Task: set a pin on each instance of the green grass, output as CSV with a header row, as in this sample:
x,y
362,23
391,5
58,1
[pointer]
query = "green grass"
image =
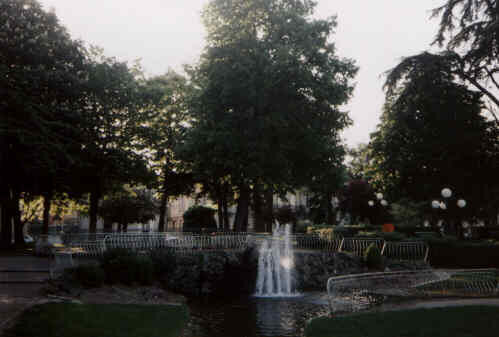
x,y
100,320
468,321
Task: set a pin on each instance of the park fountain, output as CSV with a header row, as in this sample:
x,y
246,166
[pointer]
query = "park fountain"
x,y
276,265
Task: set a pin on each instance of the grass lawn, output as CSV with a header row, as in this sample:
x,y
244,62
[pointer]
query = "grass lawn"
x,y
466,321
100,320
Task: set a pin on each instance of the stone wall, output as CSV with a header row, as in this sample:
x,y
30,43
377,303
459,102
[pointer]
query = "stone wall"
x,y
312,269
230,272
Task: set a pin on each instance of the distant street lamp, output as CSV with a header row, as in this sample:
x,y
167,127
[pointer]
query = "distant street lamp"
x,y
446,194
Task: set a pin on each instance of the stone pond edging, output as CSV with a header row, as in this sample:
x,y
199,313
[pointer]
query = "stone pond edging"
x,y
234,272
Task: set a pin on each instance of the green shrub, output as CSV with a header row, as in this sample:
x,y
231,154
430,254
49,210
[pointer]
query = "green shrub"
x,y
198,217
343,232
448,252
408,213
124,266
164,261
372,257
144,270
302,227
393,236
90,276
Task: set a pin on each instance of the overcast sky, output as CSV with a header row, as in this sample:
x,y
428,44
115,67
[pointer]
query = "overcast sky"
x,y
168,33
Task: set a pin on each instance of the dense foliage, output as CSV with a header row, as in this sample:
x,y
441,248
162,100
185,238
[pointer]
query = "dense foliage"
x,y
270,85
199,217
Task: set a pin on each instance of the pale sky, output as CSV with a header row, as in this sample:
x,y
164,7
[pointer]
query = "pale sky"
x,y
168,33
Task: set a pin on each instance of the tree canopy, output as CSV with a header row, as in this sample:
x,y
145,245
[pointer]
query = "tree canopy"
x,y
432,134
270,86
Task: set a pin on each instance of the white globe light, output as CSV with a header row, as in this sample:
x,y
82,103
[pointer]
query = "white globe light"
x,y
379,196
384,203
461,203
443,206
446,193
435,204
370,203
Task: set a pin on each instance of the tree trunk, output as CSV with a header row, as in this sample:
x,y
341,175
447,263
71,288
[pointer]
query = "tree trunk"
x,y
258,211
269,209
225,210
6,220
163,207
18,225
330,218
108,226
220,212
241,219
94,208
47,201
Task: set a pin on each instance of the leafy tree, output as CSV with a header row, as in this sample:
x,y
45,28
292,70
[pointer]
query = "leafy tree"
x,y
269,90
406,212
323,188
468,31
41,71
354,200
128,206
432,134
112,131
198,217
164,103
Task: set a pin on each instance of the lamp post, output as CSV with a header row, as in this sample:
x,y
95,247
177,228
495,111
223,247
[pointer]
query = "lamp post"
x,y
379,198
442,204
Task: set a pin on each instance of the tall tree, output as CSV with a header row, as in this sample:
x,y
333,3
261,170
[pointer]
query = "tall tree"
x,y
164,103
112,130
41,71
468,31
432,134
270,87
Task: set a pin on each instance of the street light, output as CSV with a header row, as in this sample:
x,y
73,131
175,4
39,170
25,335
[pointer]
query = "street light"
x,y
446,194
435,204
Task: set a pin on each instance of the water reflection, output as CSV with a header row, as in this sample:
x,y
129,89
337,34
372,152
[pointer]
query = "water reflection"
x,y
253,317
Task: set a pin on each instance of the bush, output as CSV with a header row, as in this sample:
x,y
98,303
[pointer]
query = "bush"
x,y
450,253
286,215
408,213
302,226
144,270
164,262
198,217
90,276
392,236
343,232
372,257
124,266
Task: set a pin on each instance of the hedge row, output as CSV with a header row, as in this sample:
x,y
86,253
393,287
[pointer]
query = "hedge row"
x,y
462,255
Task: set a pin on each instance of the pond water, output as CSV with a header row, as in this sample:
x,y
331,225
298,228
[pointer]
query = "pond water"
x,y
253,317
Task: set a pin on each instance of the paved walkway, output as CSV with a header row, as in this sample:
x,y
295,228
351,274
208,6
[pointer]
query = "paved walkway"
x,y
21,283
436,303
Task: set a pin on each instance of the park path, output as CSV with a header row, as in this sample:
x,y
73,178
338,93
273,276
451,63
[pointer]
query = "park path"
x,y
22,278
432,303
